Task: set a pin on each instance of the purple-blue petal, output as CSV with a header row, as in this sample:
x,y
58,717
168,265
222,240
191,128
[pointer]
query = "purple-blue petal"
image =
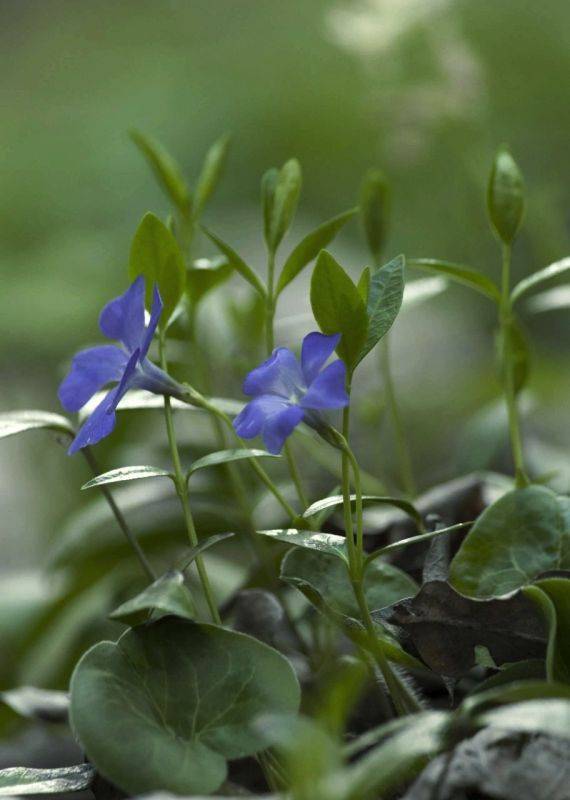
x,y
315,352
127,381
123,318
155,313
250,421
280,374
279,426
90,371
328,390
100,424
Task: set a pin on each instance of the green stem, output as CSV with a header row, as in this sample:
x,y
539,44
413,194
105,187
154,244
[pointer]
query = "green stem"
x,y
270,304
348,526
508,374
402,449
182,492
293,469
121,521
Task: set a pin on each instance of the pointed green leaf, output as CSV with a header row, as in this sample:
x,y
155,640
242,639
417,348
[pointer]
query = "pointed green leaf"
x,y
311,540
13,422
555,270
166,170
552,595
167,594
156,255
193,553
206,274
210,174
505,196
25,780
226,456
420,537
333,501
459,274
339,308
237,262
268,186
375,210
384,301
363,284
284,203
166,706
122,474
309,248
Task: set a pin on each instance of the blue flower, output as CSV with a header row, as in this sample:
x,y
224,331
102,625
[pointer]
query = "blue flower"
x,y
285,392
127,366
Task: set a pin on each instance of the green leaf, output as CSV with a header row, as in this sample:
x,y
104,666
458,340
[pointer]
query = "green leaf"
x,y
328,576
523,534
156,255
505,196
166,170
167,705
459,274
237,263
24,780
226,456
210,174
268,186
363,284
337,500
167,594
421,537
206,274
385,295
551,717
527,285
122,474
141,400
339,308
322,542
514,353
552,595
285,197
205,544
375,210
13,422
419,291
551,300
309,248
47,705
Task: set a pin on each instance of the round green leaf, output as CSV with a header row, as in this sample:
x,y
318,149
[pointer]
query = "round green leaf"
x,y
169,703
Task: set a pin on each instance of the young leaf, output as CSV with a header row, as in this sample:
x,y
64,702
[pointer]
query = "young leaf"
x,y
339,308
156,255
459,274
552,596
555,270
122,474
309,248
206,274
363,284
166,170
237,263
226,456
167,705
337,500
285,197
210,174
167,594
25,780
268,186
505,196
375,210
384,301
13,422
523,534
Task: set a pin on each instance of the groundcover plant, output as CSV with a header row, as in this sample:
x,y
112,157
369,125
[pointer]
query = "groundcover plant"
x,y
421,652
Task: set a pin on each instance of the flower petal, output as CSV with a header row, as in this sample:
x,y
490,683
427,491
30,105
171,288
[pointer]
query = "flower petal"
x,y
123,317
127,381
316,350
250,421
91,370
98,425
328,390
155,312
279,426
280,374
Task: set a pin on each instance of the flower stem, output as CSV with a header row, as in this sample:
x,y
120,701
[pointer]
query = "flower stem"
x,y
182,491
295,475
402,449
121,521
508,372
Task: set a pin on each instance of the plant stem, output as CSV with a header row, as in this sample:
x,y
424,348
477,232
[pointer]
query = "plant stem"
x,y
402,449
293,469
508,373
121,521
182,491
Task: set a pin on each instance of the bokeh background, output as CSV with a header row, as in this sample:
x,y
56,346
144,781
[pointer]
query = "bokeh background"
x,y
425,89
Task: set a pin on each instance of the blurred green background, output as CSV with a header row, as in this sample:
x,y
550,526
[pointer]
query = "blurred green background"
x,y
426,89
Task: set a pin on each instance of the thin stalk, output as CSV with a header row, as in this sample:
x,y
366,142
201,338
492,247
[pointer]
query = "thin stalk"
x,y
121,521
295,475
508,374
348,527
182,492
402,449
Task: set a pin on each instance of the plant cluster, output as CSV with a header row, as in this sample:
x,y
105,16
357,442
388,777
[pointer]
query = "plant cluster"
x,y
340,656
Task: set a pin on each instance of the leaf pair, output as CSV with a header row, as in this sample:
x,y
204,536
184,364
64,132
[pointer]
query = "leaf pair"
x,y
362,314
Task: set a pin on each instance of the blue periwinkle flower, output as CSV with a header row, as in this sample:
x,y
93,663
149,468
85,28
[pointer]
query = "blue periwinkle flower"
x,y
286,392
127,365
